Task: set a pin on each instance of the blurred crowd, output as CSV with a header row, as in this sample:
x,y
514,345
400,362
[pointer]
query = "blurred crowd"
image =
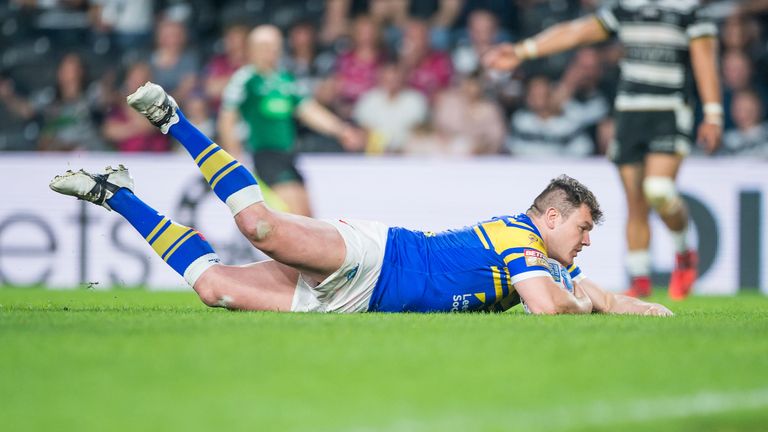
x,y
406,72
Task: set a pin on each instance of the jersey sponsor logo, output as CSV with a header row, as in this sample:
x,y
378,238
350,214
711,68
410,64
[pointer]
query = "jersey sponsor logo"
x,y
535,258
460,302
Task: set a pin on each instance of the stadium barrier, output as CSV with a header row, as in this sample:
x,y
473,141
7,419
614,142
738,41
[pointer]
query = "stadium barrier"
x,y
59,242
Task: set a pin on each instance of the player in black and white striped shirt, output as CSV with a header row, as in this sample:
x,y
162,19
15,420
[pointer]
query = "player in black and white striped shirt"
x,y
667,45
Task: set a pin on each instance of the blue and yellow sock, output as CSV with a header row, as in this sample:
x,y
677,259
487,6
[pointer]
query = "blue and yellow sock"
x,y
183,248
230,180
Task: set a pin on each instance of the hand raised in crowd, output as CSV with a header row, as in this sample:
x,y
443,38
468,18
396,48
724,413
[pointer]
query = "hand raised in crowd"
x,y
709,136
501,57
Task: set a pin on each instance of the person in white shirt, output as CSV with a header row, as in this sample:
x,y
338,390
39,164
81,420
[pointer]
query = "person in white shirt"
x,y
545,128
390,111
750,136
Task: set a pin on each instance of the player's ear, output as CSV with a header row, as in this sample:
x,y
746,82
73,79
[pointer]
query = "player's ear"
x,y
551,216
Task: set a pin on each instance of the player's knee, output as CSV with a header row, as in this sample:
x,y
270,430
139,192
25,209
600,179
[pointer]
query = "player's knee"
x,y
215,297
662,195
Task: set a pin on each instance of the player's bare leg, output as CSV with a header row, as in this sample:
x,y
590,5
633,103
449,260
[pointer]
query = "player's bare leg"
x,y
671,209
262,286
638,230
313,247
662,194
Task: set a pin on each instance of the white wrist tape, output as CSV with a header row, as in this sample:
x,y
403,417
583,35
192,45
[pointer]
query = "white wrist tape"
x,y
713,108
530,49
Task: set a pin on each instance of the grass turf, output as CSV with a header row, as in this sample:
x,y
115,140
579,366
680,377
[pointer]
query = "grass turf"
x,y
89,360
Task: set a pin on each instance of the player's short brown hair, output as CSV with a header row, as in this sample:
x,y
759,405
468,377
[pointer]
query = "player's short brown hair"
x,y
567,194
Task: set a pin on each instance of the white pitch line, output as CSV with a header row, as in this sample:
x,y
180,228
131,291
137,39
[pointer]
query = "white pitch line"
x,y
599,413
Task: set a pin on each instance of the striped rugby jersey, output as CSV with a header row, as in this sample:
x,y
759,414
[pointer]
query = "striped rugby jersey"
x,y
655,72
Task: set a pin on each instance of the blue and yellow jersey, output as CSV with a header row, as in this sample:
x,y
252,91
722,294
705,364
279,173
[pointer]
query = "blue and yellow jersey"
x,y
470,269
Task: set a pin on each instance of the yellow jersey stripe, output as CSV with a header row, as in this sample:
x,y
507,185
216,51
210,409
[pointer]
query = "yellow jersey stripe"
x,y
204,153
169,253
482,237
168,237
221,176
497,282
156,229
511,257
214,163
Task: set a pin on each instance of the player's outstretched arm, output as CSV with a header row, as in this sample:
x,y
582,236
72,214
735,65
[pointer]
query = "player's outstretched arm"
x,y
543,296
558,38
607,302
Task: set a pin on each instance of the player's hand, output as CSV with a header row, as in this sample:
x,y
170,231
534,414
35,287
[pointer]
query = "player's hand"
x,y
352,139
501,57
655,309
709,135
583,297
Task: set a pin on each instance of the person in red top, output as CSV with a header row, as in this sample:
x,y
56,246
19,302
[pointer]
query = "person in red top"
x,y
357,69
428,71
220,68
128,130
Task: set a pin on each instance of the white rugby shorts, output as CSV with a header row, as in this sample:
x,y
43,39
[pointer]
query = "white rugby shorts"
x,y
349,288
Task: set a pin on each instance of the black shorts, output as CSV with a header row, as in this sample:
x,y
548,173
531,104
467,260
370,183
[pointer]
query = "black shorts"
x,y
275,167
641,132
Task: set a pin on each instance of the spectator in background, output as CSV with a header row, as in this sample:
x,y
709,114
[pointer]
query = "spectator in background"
x,y
305,60
198,114
578,92
483,32
737,76
427,70
750,135
543,128
742,33
441,20
64,22
390,16
16,130
390,111
14,103
335,22
467,121
128,22
174,67
126,129
357,68
222,66
69,120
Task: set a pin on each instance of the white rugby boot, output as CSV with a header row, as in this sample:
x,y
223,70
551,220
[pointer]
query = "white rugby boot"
x,y
151,101
95,188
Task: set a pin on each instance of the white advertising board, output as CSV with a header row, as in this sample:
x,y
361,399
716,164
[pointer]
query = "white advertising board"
x,y
49,239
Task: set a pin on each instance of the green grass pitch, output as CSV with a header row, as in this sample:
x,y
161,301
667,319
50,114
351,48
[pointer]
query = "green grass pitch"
x,y
127,360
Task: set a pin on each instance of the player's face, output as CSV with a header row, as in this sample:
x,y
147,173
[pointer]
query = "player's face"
x,y
570,235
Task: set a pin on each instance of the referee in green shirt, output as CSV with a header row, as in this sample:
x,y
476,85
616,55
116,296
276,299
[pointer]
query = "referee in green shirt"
x,y
268,100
